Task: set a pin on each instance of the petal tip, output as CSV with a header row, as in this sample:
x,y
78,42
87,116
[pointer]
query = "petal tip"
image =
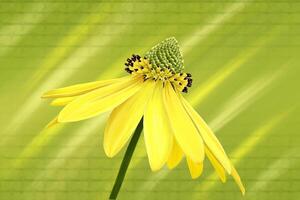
x,y
52,103
52,123
243,190
223,179
44,96
155,168
108,153
48,94
195,176
108,150
171,166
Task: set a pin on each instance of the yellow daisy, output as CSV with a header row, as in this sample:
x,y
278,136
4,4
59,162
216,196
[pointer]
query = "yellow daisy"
x,y
152,93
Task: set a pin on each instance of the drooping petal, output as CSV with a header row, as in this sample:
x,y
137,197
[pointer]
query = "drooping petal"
x,y
217,166
62,101
195,169
124,119
99,100
208,136
183,128
79,89
157,131
237,179
175,155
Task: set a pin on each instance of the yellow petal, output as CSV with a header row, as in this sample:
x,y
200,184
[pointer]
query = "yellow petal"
x,y
217,166
175,155
52,123
237,179
157,131
124,119
196,169
78,89
99,100
183,128
208,136
62,101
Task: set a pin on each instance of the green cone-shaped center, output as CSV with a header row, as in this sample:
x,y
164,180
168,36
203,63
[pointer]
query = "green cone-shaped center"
x,y
166,54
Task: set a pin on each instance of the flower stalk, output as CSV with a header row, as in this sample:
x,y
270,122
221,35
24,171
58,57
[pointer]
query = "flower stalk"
x,y
126,161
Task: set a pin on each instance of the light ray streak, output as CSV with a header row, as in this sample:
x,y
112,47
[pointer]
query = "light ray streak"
x,y
63,72
67,69
220,76
245,147
203,32
275,170
76,35
242,100
80,136
8,39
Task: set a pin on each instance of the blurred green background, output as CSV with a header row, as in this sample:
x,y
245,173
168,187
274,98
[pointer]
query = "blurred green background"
x,y
244,57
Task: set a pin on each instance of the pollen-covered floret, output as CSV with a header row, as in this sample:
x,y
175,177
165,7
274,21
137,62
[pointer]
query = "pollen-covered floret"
x,y
136,65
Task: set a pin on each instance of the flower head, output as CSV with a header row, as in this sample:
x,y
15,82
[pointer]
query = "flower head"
x,y
172,128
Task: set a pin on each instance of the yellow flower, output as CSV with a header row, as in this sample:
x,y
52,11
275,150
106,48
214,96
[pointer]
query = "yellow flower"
x,y
152,91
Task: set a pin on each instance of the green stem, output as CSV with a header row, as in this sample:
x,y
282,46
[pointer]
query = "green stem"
x,y
126,160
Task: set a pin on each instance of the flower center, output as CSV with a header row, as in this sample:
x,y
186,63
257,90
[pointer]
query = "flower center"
x,y
165,54
142,67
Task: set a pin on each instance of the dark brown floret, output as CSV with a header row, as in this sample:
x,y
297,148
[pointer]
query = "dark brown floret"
x,y
133,58
130,62
190,81
185,90
128,70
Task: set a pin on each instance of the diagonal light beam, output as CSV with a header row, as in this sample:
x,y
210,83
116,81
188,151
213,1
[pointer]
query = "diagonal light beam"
x,y
64,71
203,32
242,100
8,37
245,147
275,170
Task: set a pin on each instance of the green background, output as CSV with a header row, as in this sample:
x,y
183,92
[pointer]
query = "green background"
x,y
244,58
